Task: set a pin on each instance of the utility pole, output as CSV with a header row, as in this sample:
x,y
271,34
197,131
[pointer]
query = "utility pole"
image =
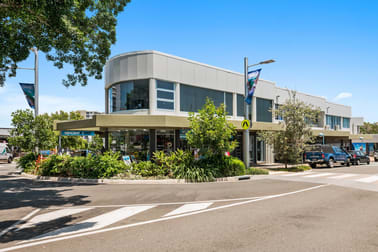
x,y
36,88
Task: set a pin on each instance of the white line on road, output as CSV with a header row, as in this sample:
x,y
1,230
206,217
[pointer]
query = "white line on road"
x,y
52,216
18,222
156,220
96,222
370,179
344,176
296,174
189,208
318,175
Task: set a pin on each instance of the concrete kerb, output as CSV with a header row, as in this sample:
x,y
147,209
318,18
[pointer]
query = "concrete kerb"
x,y
124,181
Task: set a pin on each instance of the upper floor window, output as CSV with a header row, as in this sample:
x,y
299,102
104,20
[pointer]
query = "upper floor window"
x,y
240,105
130,95
263,110
277,116
333,122
346,123
192,98
165,94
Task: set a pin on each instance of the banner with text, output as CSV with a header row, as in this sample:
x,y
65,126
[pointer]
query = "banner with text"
x,y
253,78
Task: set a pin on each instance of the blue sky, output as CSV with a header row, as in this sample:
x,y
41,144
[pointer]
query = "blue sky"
x,y
324,48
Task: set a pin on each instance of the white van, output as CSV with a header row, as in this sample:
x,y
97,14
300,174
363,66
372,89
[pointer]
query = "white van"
x,y
5,153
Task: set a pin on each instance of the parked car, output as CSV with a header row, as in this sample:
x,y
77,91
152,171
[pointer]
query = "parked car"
x,y
358,157
5,153
326,154
376,156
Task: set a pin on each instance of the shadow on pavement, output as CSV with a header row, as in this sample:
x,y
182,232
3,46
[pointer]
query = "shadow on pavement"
x,y
64,224
16,193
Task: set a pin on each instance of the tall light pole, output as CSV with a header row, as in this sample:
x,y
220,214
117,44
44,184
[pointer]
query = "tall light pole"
x,y
246,157
36,88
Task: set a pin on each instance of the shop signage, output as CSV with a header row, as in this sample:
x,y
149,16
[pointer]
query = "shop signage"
x,y
77,133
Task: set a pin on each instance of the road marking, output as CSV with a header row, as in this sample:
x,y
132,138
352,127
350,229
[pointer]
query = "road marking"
x,y
52,216
344,176
276,172
370,179
18,222
318,175
189,208
166,203
296,174
35,243
97,222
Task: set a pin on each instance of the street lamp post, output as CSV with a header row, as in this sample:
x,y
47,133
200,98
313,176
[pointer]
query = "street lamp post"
x,y
246,157
36,87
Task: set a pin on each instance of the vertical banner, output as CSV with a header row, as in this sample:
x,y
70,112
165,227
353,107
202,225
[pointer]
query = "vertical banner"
x,y
28,90
253,78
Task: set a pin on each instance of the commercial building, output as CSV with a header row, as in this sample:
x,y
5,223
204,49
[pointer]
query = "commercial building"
x,y
4,134
88,114
148,95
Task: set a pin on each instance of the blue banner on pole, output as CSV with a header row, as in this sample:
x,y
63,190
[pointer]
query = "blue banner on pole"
x,y
253,78
28,89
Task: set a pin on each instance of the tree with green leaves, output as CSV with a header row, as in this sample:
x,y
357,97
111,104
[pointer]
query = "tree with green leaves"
x,y
79,33
210,131
289,144
369,128
70,142
29,132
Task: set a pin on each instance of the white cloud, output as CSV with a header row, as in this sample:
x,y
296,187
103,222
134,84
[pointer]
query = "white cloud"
x,y
342,95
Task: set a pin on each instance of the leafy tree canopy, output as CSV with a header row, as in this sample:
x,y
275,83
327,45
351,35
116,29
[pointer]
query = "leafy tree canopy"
x,y
290,143
78,33
369,128
210,131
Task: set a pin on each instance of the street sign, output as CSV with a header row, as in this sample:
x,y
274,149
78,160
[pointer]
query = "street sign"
x,y
77,133
245,124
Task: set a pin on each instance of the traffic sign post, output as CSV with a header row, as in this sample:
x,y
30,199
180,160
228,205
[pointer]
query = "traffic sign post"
x,y
245,124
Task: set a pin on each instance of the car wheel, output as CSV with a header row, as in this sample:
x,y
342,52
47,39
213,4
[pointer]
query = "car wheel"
x,y
358,162
9,160
331,163
348,162
313,165
368,162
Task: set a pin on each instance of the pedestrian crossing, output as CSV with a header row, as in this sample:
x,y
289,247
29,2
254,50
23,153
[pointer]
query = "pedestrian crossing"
x,y
37,226
352,177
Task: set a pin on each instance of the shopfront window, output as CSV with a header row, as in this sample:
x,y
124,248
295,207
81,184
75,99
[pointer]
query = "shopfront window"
x,y
165,140
129,95
134,143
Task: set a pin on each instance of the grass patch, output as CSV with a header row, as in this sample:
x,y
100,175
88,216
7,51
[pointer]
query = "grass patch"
x,y
256,171
299,168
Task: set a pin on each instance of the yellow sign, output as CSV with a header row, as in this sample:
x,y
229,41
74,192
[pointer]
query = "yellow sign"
x,y
245,124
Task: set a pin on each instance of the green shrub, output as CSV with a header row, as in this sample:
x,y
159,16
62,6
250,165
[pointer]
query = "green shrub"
x,y
147,169
103,166
193,173
299,168
233,167
27,162
109,165
256,171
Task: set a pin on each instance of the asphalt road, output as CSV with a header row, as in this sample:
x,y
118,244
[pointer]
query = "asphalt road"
x,y
269,213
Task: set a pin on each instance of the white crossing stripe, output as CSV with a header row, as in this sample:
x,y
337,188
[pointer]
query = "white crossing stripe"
x,y
98,221
296,174
370,179
52,216
348,175
189,208
276,172
319,175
